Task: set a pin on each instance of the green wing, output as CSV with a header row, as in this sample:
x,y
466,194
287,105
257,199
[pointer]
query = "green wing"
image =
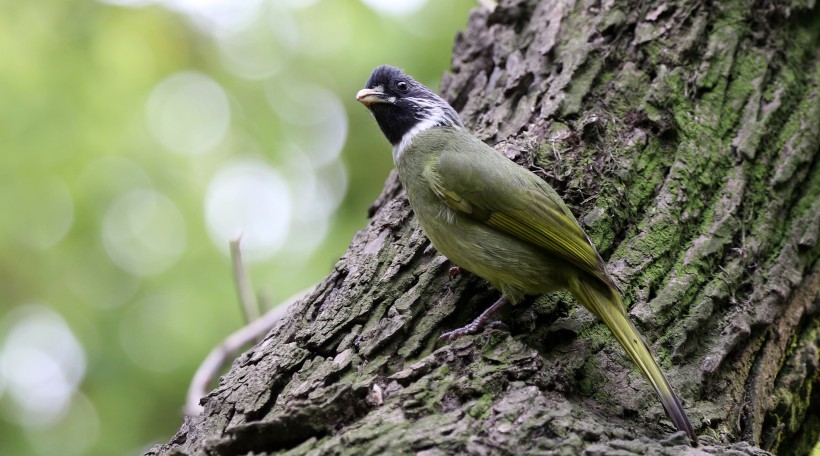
x,y
480,183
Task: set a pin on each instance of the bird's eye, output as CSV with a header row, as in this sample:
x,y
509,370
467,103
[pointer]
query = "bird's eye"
x,y
403,86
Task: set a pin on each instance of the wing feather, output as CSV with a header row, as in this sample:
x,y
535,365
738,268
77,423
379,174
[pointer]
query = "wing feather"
x,y
494,190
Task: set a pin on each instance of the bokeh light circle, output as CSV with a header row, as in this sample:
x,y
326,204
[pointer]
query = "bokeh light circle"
x,y
249,199
144,232
316,118
41,364
263,50
395,7
188,113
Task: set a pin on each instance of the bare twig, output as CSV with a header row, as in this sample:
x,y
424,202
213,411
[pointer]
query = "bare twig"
x,y
247,297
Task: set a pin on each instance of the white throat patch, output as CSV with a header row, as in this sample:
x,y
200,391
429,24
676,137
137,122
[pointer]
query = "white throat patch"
x,y
426,124
436,116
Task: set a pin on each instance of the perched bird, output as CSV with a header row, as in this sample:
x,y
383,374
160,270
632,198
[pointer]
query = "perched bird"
x,y
497,219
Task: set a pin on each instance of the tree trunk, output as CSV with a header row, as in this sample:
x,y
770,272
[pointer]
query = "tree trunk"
x,y
685,137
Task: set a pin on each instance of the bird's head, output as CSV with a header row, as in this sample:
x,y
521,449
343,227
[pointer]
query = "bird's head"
x,y
403,107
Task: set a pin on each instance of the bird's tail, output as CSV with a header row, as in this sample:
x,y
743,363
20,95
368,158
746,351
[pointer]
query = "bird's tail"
x,y
606,304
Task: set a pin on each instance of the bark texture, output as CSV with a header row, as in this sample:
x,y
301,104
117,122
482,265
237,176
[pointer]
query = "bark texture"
x,y
685,137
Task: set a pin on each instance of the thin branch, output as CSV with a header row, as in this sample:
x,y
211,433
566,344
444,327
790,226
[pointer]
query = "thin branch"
x,y
244,289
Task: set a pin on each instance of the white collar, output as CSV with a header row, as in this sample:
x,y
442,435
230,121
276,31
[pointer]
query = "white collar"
x,y
408,137
437,115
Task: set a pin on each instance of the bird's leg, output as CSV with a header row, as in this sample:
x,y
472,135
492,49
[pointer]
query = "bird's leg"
x,y
478,324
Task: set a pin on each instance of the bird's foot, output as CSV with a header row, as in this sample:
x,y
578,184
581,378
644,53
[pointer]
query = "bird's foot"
x,y
473,328
479,324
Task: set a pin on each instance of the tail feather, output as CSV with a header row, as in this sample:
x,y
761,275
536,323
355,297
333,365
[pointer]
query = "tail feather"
x,y
609,308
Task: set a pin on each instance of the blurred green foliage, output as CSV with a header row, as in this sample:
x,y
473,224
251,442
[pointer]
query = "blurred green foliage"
x,y
112,287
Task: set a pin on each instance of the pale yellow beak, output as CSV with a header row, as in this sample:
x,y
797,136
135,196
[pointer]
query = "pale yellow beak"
x,y
369,97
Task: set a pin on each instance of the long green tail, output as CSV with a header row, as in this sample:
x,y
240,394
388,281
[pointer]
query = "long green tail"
x,y
609,308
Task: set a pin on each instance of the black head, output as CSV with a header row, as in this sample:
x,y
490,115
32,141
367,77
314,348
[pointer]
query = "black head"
x,y
402,106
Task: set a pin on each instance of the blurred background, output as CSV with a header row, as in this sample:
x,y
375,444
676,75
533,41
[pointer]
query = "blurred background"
x,y
138,137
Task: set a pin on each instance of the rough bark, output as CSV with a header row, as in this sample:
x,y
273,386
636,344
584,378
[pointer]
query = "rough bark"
x,y
685,136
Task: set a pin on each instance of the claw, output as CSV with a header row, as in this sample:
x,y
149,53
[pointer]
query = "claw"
x,y
479,324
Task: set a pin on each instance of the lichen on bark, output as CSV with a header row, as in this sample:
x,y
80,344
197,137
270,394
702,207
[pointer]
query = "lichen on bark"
x,y
685,137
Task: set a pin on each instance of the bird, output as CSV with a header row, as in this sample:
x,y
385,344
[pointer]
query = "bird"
x,y
498,220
